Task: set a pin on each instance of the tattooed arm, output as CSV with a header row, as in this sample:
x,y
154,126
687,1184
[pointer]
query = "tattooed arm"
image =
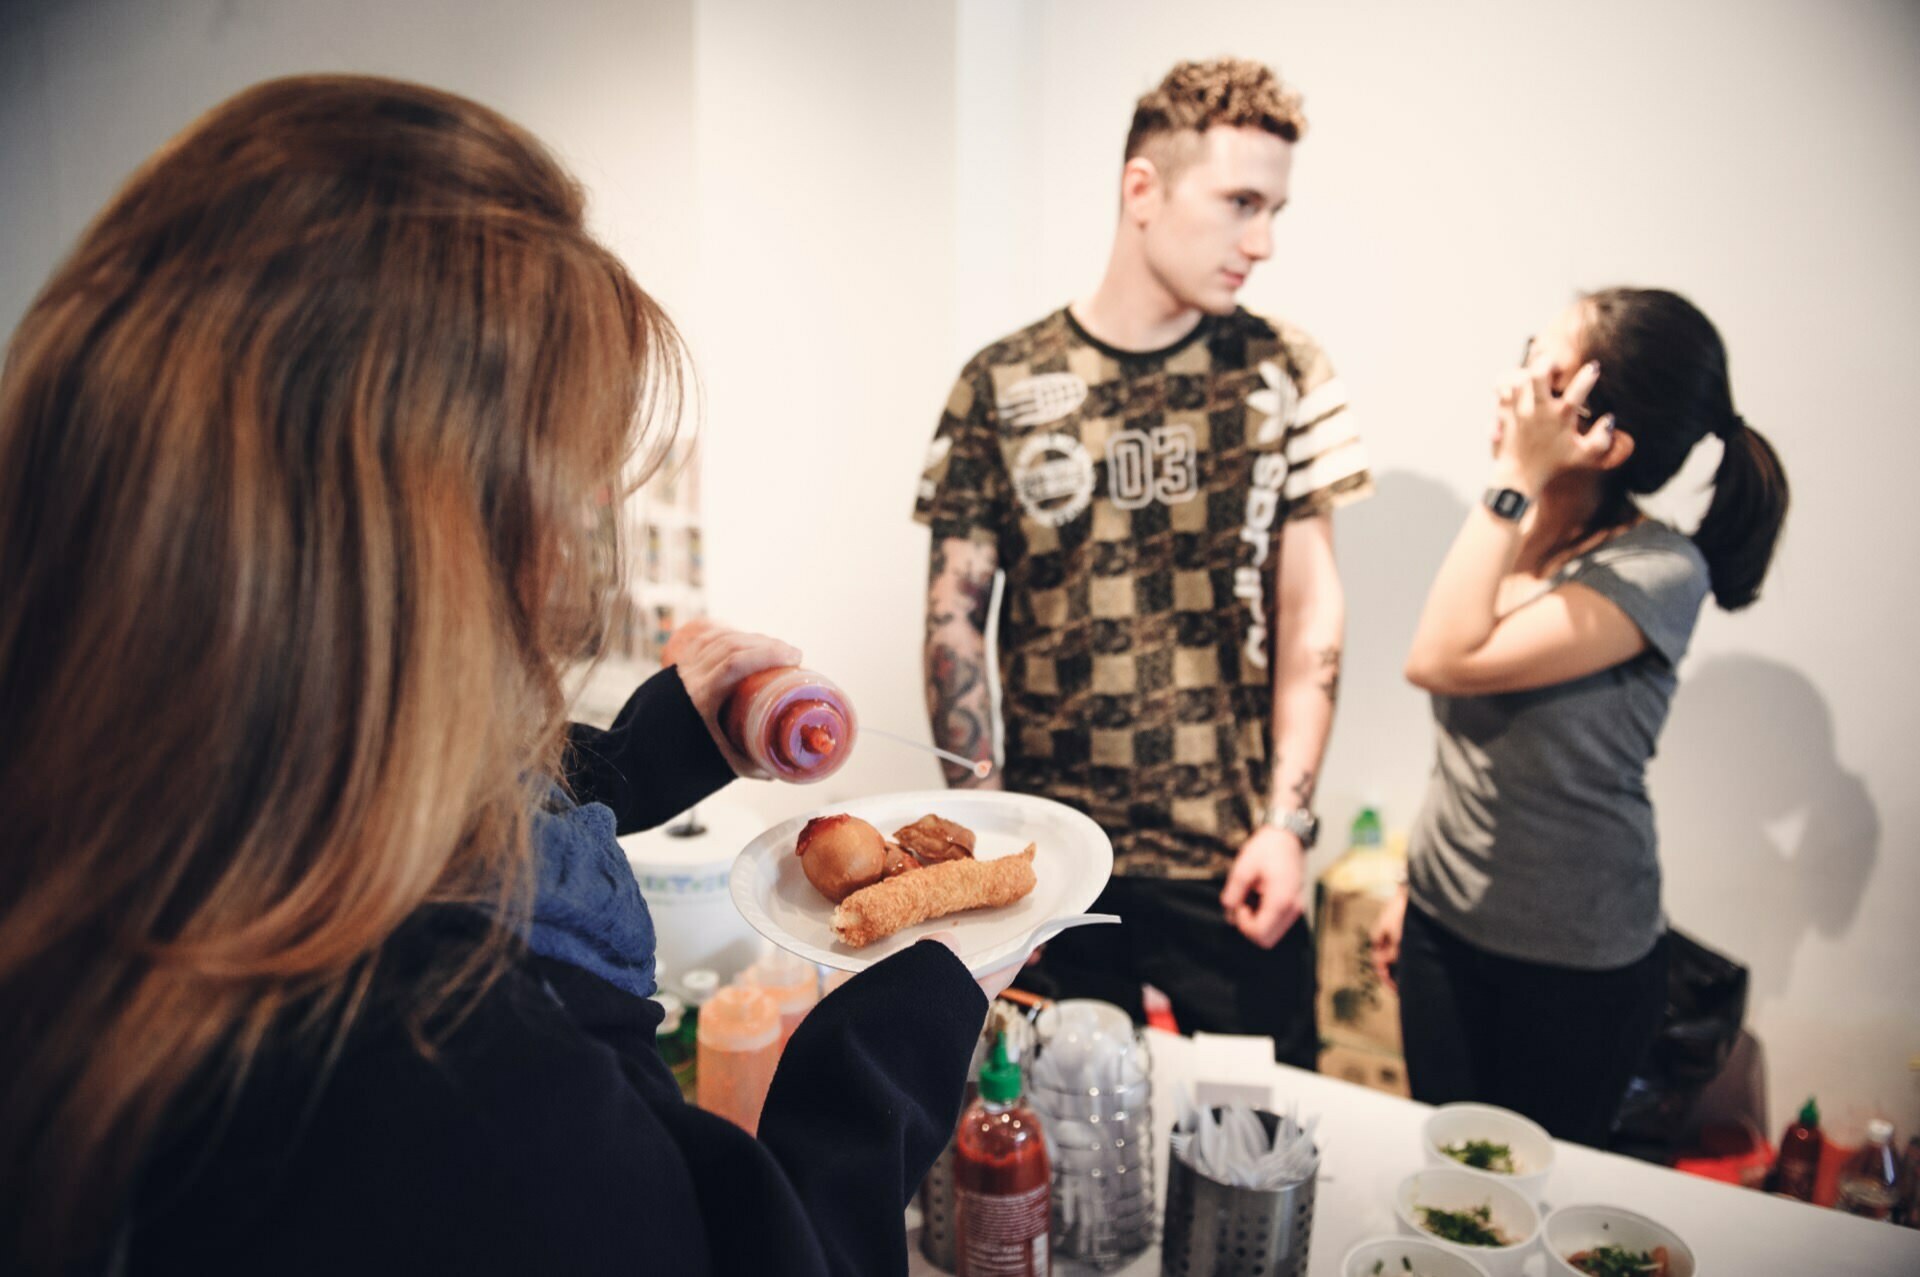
x,y
1263,892
1311,630
959,585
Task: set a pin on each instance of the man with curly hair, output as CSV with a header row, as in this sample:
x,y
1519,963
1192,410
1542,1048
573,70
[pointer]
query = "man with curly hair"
x,y
1154,469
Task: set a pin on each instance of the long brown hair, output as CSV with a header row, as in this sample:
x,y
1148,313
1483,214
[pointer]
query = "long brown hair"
x,y
1666,384
299,455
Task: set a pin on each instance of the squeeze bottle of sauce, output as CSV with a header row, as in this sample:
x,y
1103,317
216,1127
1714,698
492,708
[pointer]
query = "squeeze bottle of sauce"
x,y
792,982
697,988
739,1045
794,724
1002,1180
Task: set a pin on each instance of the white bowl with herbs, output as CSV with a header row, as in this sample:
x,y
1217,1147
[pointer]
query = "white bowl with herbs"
x,y
1406,1257
1470,1213
1607,1241
1490,1141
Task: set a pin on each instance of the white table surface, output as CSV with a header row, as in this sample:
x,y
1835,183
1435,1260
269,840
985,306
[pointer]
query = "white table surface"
x,y
1370,1141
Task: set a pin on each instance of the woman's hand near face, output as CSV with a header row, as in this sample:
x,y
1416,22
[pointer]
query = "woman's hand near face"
x,y
1538,435
712,660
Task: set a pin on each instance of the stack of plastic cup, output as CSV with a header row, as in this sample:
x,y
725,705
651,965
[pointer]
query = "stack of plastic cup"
x,y
739,1045
1090,1082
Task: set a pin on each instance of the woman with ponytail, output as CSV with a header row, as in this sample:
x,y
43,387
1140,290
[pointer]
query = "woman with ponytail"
x,y
1527,944
301,452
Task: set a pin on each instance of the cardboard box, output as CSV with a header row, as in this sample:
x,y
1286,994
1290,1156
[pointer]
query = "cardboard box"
x,y
1374,1069
1356,1008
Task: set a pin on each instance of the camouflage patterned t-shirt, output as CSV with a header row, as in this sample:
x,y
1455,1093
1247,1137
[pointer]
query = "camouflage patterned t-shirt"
x,y
1135,501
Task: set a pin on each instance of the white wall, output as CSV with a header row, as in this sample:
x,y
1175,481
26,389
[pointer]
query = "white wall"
x,y
826,224
842,200
88,88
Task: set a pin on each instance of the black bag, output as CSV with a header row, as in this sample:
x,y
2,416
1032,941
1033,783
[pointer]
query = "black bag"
x,y
1706,1004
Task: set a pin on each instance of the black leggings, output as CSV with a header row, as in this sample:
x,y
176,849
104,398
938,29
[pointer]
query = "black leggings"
x,y
1558,1044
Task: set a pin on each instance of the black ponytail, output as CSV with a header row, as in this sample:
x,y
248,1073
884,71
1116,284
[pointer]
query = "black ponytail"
x,y
1742,524
1663,377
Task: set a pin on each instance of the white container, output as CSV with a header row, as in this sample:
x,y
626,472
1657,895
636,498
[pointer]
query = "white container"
x,y
1461,1189
1429,1259
1532,1147
684,882
1572,1229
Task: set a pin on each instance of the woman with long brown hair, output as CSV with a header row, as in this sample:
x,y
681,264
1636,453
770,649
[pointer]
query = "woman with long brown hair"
x,y
299,452
1530,963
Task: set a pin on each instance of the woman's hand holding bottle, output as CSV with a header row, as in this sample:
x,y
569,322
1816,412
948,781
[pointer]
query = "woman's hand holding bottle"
x,y
713,660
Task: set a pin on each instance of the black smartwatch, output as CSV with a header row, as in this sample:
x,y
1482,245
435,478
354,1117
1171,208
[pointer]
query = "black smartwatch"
x,y
1506,503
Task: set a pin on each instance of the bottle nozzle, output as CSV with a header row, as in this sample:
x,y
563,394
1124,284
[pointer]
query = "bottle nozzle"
x,y
999,1076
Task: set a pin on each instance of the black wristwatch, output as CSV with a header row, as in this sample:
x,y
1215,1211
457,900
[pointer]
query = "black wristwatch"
x,y
1299,822
1506,503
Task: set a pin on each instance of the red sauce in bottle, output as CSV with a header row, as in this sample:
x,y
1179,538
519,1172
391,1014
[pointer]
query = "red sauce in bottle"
x,y
1798,1165
794,724
1002,1180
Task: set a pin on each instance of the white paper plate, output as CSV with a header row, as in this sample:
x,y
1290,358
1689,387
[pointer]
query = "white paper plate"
x,y
1072,860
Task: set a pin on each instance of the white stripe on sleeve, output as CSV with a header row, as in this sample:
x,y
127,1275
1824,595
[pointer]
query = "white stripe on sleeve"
x,y
1329,468
1328,397
1329,433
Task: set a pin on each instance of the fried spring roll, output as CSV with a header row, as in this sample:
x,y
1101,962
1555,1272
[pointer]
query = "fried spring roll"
x,y
876,912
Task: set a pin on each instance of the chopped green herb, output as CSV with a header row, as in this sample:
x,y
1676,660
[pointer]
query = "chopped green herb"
x,y
1405,1264
1473,1227
1615,1261
1482,1155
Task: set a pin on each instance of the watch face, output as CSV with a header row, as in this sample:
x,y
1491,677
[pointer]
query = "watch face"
x,y
1506,503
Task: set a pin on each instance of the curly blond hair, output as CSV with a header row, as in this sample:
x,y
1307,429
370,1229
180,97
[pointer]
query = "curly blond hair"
x,y
1196,96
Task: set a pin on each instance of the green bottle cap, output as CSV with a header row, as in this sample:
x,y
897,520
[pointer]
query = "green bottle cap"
x,y
1366,828
1810,1112
999,1076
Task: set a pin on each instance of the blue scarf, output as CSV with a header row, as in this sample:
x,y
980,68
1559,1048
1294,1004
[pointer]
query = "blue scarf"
x,y
588,911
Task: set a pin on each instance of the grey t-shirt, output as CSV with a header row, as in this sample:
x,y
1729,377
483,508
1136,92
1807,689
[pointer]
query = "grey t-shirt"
x,y
1536,840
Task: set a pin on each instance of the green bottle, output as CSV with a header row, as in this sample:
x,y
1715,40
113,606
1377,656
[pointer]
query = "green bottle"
x,y
696,988
670,1039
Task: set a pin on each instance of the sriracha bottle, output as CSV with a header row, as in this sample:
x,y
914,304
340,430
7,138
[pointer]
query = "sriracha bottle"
x,y
1798,1162
1002,1180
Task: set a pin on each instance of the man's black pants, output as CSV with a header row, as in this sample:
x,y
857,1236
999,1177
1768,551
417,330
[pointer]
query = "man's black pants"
x,y
1175,937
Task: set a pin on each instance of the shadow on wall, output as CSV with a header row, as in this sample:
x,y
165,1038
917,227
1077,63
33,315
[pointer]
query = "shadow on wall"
x,y
1763,834
1389,548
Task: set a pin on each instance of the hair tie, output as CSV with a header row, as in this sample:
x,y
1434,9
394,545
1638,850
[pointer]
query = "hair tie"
x,y
1734,424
